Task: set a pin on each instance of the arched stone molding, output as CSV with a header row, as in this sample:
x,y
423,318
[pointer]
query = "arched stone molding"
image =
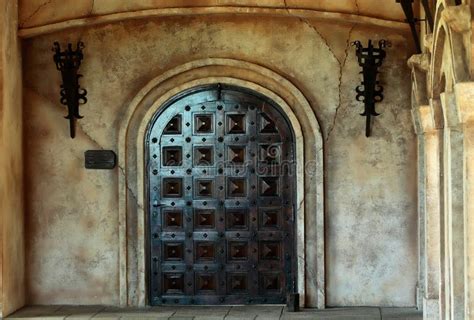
x,y
310,191
178,10
449,54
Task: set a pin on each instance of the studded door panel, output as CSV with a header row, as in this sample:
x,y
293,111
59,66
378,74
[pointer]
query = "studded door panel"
x,y
221,201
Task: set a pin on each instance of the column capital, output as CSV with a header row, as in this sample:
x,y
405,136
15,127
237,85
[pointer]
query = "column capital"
x,y
420,61
464,95
458,18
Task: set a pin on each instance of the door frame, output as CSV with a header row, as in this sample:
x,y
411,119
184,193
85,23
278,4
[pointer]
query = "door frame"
x,y
309,156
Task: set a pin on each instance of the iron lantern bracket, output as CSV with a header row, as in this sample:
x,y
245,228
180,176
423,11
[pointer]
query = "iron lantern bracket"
x,y
370,91
72,95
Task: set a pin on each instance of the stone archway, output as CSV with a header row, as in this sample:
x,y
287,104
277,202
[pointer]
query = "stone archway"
x,y
309,168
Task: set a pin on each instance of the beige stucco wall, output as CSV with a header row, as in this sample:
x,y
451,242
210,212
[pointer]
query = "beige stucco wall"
x,y
12,262
370,195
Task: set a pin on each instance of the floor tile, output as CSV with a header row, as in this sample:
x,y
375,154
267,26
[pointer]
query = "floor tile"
x,y
401,314
37,312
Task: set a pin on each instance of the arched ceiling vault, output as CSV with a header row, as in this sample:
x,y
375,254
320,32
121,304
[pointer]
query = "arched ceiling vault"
x,y
38,17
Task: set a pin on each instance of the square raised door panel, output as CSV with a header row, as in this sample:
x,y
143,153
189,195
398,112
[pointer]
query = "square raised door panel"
x,y
270,282
236,155
203,123
204,156
267,125
269,218
204,219
173,283
237,219
236,187
172,156
205,251
270,250
172,219
269,186
206,283
172,188
173,251
270,153
237,283
237,250
173,126
235,123
204,188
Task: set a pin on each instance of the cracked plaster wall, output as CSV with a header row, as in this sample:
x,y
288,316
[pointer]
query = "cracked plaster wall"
x,y
72,214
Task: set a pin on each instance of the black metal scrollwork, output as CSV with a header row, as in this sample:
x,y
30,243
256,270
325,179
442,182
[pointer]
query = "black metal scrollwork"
x,y
370,91
72,95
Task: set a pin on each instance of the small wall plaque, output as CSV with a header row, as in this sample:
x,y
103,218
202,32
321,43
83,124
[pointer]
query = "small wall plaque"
x,y
100,159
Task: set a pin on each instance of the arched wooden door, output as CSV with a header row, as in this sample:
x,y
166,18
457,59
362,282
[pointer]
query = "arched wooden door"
x,y
221,181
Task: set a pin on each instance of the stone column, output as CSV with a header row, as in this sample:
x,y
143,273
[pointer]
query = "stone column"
x,y
420,288
464,94
453,208
432,133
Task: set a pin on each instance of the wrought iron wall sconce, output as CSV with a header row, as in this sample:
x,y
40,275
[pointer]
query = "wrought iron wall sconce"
x,y
72,95
370,91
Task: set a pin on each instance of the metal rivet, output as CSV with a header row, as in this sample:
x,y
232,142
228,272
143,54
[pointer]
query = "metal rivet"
x,y
187,108
154,140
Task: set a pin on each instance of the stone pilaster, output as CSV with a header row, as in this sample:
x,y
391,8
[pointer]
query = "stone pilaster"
x,y
453,209
464,94
432,134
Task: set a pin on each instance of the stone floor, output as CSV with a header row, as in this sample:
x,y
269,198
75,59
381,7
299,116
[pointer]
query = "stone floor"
x,y
214,313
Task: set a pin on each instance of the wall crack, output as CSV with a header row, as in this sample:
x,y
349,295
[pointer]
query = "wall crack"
x,y
310,25
22,23
346,54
